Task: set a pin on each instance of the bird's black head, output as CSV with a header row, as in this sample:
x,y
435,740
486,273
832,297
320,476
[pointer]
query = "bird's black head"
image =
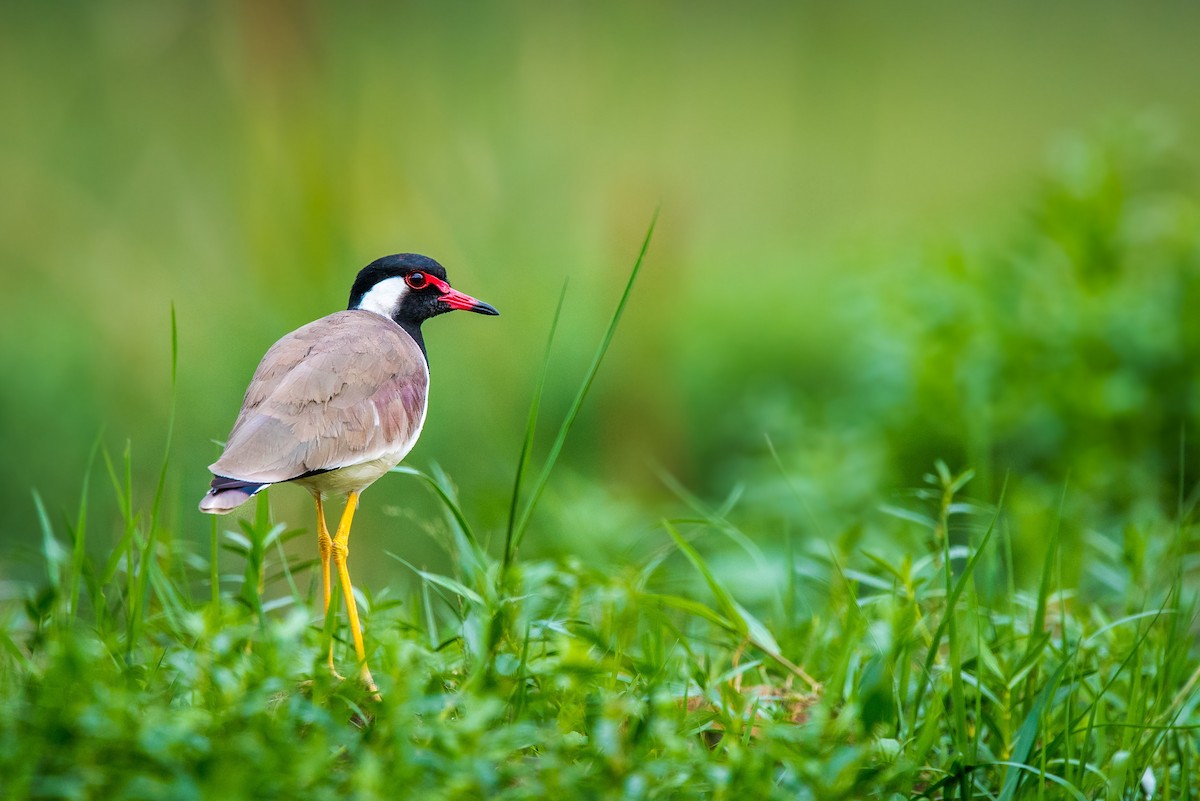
x,y
410,289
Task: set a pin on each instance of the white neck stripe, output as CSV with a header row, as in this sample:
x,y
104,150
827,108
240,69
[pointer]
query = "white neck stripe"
x,y
384,298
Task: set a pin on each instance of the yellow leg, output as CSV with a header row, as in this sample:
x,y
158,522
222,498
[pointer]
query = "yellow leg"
x,y
341,550
325,543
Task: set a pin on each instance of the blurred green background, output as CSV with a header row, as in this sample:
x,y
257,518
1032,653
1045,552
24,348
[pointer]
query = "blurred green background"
x,y
889,234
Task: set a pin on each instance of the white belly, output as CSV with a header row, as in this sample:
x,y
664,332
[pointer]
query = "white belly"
x,y
353,478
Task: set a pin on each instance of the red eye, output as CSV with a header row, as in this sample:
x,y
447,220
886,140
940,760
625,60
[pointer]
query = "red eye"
x,y
417,280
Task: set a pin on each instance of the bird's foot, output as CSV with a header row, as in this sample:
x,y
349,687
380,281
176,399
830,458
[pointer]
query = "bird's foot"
x,y
369,684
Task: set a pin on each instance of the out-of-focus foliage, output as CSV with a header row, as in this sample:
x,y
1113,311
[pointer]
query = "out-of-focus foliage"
x,y
242,161
866,269
563,679
1060,355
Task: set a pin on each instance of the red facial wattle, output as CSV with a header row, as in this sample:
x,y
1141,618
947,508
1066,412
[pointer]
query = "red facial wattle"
x,y
459,300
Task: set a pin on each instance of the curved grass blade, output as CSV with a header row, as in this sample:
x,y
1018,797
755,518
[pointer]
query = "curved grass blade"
x,y
530,428
743,623
569,420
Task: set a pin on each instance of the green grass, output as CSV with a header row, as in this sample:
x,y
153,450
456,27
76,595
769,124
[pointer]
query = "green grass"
x,y
129,680
861,275
806,156
921,661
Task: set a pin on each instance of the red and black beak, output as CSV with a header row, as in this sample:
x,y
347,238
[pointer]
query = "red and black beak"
x,y
458,300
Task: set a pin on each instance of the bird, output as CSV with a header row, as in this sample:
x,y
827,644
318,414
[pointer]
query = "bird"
x,y
337,403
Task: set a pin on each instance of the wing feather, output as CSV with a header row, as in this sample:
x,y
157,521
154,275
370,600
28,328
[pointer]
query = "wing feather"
x,y
345,389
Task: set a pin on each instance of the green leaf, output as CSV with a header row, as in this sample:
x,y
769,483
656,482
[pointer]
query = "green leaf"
x,y
1027,734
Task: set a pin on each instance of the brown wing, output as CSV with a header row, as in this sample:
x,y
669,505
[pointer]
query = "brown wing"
x,y
345,389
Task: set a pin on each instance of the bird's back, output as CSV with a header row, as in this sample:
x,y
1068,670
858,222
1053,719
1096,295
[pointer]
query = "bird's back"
x,y
343,390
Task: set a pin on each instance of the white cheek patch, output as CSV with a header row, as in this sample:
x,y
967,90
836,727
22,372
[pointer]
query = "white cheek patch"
x,y
384,298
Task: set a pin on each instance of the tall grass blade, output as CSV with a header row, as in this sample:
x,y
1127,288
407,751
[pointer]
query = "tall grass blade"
x,y
123,492
214,577
444,490
1071,789
453,585
79,548
52,549
1039,615
716,517
954,594
1027,734
9,646
530,429
569,420
148,554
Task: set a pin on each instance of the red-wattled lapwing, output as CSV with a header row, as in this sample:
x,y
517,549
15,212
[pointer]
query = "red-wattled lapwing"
x,y
337,403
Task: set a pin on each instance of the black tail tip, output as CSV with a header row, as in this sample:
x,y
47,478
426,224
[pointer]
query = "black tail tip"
x,y
227,494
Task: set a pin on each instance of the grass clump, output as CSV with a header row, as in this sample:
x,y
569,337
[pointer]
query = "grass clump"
x,y
566,679
723,657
